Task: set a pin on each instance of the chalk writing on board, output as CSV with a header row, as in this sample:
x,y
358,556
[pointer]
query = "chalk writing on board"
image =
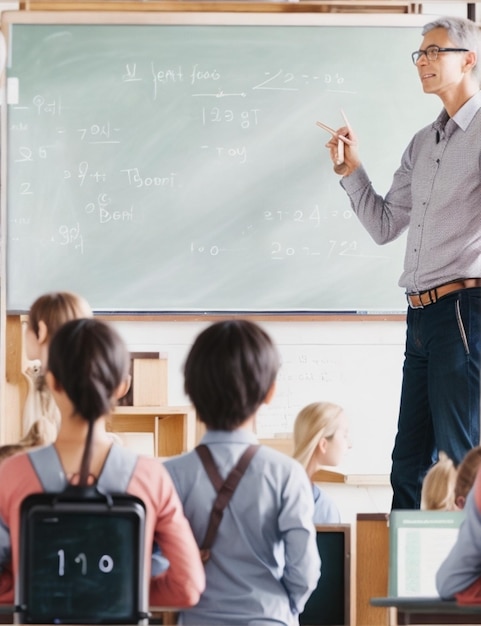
x,y
183,160
105,563
304,374
238,153
54,107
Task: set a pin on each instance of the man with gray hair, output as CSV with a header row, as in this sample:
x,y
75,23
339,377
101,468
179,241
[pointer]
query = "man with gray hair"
x,y
436,196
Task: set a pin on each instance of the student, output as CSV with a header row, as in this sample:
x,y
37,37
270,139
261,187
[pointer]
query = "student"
x,y
45,317
466,475
438,486
459,575
321,437
435,196
264,561
88,370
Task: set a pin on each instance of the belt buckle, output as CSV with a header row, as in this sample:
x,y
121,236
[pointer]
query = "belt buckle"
x,y
417,295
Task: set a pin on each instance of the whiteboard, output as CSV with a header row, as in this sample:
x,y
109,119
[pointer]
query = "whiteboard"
x,y
355,364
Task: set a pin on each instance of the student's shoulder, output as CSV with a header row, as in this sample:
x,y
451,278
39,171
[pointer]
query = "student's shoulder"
x,y
272,456
16,462
17,477
181,462
325,509
151,473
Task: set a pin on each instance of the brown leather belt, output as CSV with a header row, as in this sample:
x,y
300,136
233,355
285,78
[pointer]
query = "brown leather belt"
x,y
430,296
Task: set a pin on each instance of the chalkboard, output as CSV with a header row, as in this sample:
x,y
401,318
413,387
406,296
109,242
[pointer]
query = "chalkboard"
x,y
81,561
329,603
171,162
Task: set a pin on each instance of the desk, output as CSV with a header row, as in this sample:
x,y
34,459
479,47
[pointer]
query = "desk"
x,y
372,554
159,615
430,611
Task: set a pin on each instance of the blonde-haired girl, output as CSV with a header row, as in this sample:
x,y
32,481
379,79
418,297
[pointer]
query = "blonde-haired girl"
x,y
321,437
438,486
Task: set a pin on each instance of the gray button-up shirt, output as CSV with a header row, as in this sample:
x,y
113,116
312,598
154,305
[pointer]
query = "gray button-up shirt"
x,y
436,193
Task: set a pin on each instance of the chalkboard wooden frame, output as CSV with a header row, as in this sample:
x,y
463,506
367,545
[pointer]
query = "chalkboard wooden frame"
x,y
129,300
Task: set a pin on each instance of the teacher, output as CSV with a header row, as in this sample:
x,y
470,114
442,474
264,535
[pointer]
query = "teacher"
x,y
436,195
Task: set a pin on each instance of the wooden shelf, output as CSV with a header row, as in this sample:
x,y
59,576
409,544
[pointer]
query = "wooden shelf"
x,y
173,427
367,480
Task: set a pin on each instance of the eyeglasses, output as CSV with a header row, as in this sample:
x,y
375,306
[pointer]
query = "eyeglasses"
x,y
432,52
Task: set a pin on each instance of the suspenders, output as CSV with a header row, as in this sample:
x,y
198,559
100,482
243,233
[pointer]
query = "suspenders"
x,y
225,490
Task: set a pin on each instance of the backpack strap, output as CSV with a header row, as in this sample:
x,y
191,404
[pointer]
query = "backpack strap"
x,y
114,477
225,490
48,468
118,469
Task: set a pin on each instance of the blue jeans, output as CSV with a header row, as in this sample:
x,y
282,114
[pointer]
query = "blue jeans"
x,y
440,396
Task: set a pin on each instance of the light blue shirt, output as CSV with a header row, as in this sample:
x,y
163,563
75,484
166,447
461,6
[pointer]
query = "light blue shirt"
x,y
462,566
325,511
264,562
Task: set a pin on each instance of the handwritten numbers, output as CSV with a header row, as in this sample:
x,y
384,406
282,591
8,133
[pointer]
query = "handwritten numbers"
x,y
61,562
25,154
278,252
25,189
278,81
333,79
342,248
105,563
217,115
299,216
83,168
213,250
99,133
82,559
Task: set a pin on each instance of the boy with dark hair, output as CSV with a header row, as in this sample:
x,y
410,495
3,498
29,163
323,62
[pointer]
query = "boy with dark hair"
x,y
263,563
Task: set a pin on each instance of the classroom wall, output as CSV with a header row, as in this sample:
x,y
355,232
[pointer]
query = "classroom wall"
x,y
354,363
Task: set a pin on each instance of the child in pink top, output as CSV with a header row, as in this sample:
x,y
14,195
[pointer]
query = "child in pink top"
x,y
87,372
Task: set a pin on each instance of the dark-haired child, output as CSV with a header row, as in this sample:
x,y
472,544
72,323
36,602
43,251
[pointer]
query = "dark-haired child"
x,y
87,371
264,561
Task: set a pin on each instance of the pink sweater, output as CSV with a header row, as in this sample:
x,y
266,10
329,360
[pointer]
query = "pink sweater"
x,y
183,582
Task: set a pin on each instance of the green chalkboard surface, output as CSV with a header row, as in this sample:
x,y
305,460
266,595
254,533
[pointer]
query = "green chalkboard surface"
x,y
81,559
171,162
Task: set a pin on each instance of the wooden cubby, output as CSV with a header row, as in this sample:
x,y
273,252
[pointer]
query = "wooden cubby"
x,y
173,429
